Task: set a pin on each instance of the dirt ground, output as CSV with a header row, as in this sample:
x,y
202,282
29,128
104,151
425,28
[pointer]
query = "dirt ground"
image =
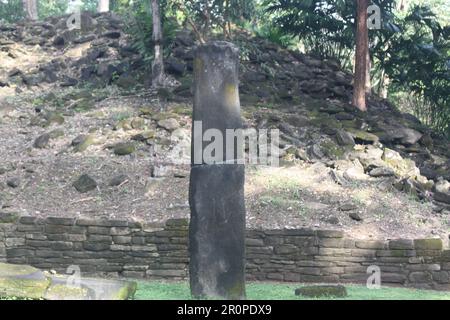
x,y
297,195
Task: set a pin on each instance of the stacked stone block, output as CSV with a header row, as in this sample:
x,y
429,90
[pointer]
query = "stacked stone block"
x,y
101,247
328,256
160,251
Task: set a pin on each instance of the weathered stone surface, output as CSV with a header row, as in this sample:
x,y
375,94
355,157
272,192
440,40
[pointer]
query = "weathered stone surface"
x,y
382,172
41,141
399,244
13,183
371,244
344,138
61,288
216,195
8,217
82,142
428,244
420,277
28,282
22,281
220,265
330,234
337,291
169,124
60,221
85,184
118,180
124,148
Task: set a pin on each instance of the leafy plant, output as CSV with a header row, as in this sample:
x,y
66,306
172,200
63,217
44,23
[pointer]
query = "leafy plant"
x,y
138,20
418,61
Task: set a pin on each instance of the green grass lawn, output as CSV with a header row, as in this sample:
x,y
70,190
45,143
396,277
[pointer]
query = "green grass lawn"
x,y
281,291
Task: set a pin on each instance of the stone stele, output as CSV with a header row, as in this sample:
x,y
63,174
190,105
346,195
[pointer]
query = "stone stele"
x,y
216,194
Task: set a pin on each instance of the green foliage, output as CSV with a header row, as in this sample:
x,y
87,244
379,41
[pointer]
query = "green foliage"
x,y
214,15
11,11
138,20
418,61
276,35
325,28
411,49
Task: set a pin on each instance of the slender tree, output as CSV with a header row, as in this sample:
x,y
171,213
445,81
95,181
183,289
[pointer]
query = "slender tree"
x,y
368,67
361,54
158,62
103,6
30,9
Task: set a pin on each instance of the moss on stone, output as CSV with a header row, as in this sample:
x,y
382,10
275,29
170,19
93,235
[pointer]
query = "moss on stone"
x,y
8,217
337,291
127,292
22,281
64,292
86,143
53,118
428,244
332,150
123,149
363,135
164,116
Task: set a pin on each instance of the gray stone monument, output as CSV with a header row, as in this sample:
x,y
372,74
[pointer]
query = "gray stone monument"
x,y
216,194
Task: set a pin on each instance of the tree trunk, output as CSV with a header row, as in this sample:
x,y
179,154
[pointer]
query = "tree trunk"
x,y
103,6
402,5
226,20
30,9
158,63
362,48
368,67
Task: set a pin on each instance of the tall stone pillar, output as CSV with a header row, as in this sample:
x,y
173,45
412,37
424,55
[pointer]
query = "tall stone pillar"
x,y
216,194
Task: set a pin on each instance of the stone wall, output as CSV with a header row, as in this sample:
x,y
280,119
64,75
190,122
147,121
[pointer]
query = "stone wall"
x,y
159,251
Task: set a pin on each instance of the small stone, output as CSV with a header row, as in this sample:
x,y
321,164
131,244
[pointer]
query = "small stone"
x,y
82,142
13,183
344,138
112,34
138,123
348,207
442,191
160,171
337,291
332,220
315,151
355,174
355,216
124,148
118,180
141,137
56,133
169,124
181,174
53,118
382,172
42,141
85,184
344,116
363,136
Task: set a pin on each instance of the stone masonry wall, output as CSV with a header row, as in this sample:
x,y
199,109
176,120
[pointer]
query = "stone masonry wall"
x,y
159,251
